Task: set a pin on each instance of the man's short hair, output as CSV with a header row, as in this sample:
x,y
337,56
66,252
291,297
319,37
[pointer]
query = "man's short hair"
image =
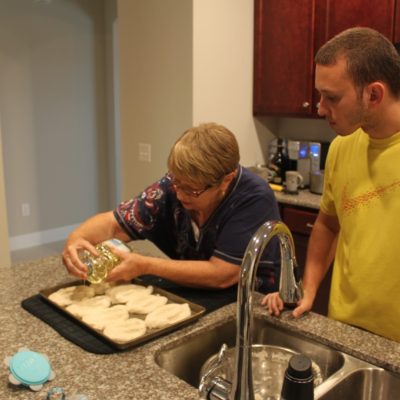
x,y
370,57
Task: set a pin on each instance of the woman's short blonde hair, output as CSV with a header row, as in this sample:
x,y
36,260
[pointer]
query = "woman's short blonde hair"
x,y
204,154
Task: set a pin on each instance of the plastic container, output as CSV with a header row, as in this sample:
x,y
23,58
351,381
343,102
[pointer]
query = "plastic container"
x,y
298,383
99,266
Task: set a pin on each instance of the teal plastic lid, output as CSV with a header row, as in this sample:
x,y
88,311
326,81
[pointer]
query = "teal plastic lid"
x,y
30,368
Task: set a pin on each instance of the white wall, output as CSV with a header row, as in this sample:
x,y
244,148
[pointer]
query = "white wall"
x,y
155,40
223,73
5,260
53,107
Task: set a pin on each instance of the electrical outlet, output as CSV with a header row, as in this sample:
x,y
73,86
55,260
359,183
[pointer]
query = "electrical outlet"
x,y
26,209
145,152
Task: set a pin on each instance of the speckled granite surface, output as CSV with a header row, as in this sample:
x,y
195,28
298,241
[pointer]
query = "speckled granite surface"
x,y
133,374
303,199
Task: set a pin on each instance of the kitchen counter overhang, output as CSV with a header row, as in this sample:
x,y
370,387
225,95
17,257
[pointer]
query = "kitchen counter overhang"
x,y
134,374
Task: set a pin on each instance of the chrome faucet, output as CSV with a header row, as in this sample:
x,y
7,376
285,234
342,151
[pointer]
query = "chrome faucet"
x,y
290,289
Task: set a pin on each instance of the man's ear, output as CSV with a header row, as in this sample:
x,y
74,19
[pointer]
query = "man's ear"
x,y
375,92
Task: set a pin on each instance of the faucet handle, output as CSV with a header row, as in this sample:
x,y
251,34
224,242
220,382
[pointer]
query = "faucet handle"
x,y
210,384
290,285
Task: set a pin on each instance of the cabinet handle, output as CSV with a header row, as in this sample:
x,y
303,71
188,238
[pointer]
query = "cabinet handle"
x,y
306,104
309,225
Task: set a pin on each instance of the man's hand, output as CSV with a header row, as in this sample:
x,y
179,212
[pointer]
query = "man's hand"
x,y
275,305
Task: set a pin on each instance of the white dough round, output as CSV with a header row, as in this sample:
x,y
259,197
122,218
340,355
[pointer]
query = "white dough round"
x,y
86,306
100,288
82,292
100,318
145,304
62,297
167,315
125,331
123,293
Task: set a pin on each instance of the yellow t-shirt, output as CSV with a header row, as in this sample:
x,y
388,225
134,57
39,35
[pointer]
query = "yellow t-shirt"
x,y
362,188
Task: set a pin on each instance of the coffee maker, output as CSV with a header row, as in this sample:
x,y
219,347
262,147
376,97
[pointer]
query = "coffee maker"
x,y
307,157
318,153
299,159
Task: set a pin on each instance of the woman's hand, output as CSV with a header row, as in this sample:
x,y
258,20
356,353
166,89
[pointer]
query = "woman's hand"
x,y
71,258
129,267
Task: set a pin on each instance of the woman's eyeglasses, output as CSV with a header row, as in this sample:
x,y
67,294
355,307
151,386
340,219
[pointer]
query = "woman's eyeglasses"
x,y
186,190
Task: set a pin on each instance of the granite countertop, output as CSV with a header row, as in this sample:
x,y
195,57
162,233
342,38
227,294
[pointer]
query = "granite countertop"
x,y
133,374
303,199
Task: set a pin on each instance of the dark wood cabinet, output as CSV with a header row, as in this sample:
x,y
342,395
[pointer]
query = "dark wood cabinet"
x,y
300,222
288,33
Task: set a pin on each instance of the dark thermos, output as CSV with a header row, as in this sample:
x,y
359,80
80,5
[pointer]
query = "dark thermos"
x,y
298,383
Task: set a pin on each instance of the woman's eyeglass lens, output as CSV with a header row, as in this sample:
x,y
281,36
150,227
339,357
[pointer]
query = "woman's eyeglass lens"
x,y
187,191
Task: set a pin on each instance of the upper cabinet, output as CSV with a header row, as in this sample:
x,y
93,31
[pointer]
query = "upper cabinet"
x,y
288,33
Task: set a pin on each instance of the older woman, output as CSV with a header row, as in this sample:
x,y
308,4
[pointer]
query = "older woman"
x,y
201,214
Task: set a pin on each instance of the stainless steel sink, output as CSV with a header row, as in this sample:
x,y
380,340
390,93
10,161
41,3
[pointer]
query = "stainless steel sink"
x,y
367,383
186,359
344,377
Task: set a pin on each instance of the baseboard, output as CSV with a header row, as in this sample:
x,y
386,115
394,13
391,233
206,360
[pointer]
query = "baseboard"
x,y
40,238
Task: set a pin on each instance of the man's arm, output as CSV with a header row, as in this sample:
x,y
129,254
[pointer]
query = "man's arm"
x,y
213,273
320,254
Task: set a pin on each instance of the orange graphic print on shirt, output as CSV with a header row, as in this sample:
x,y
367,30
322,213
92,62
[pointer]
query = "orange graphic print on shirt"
x,y
351,204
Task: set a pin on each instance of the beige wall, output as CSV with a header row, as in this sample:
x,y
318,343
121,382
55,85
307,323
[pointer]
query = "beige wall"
x,y
5,260
53,107
223,73
155,39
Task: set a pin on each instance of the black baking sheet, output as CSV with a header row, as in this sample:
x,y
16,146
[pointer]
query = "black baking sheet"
x,y
66,326
196,312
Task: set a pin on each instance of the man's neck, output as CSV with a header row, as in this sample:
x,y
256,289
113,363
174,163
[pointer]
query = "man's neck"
x,y
386,122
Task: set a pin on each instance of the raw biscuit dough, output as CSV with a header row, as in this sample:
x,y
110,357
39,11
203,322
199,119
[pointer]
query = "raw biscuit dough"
x,y
145,304
82,292
62,297
100,288
167,315
86,306
99,319
125,331
123,293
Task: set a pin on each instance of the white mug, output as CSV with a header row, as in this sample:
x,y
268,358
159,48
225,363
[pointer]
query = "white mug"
x,y
293,181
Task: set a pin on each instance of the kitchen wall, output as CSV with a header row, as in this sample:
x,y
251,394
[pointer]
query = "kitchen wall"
x,y
5,260
155,47
54,121
81,70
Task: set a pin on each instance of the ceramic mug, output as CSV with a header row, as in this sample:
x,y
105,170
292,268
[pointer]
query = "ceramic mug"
x,y
293,181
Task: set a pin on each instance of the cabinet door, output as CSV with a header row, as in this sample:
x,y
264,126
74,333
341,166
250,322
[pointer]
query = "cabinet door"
x,y
396,39
283,57
344,14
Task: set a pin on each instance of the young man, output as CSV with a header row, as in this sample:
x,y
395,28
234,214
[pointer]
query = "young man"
x,y
358,78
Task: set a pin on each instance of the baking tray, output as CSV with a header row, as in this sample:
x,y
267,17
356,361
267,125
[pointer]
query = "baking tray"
x,y
196,312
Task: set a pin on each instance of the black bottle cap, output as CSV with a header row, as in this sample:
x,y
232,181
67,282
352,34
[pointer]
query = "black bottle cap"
x,y
299,367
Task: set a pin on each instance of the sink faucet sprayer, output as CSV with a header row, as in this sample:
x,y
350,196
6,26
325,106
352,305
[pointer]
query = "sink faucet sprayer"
x,y
290,289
